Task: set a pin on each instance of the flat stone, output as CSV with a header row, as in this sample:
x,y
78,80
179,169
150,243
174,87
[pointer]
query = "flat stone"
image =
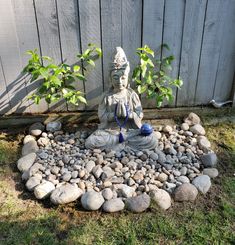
x,y
30,147
198,129
92,200
36,129
138,204
65,194
43,190
162,198
89,166
32,183
203,183
185,192
183,179
211,172
28,138
192,119
107,173
25,162
97,171
53,126
107,194
154,156
209,160
113,205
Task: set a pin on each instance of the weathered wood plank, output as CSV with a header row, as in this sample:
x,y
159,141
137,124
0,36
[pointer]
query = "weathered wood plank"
x,y
5,106
26,29
89,12
10,57
153,11
50,38
213,30
131,30
225,71
191,46
172,35
82,118
111,13
70,38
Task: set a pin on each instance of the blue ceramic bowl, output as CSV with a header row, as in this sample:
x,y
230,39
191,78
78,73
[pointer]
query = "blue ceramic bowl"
x,y
146,129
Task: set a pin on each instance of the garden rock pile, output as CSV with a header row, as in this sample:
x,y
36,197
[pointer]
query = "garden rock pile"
x,y
56,165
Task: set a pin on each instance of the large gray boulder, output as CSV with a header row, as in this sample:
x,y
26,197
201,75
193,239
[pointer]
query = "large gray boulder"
x,y
92,200
161,198
29,147
138,204
65,194
209,160
203,183
25,162
113,205
185,192
43,190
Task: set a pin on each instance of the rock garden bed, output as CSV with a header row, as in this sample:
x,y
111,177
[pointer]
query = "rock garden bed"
x,y
56,165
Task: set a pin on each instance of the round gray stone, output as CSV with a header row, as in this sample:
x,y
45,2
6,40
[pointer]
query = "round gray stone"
x,y
203,183
25,162
43,190
211,172
183,179
162,198
92,200
53,126
209,160
198,129
185,192
138,204
36,129
113,205
29,147
32,183
28,138
65,194
107,194
192,119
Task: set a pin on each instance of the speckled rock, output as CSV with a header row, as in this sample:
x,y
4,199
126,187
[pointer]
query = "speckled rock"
x,y
185,192
192,119
65,194
113,205
138,204
162,198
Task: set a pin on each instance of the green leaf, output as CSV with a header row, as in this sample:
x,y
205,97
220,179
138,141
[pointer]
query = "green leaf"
x,y
44,72
164,45
141,89
91,62
76,68
80,76
99,51
47,58
82,99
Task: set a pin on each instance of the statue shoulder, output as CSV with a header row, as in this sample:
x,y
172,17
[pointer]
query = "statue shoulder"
x,y
132,93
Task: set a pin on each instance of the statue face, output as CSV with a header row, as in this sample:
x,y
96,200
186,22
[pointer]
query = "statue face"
x,y
119,79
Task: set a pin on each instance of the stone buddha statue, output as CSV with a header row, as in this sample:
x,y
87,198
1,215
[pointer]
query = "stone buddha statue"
x,y
120,114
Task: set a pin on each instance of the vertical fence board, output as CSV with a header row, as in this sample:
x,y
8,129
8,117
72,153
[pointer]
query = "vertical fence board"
x,y
153,11
70,39
191,46
172,35
26,29
225,71
11,61
131,30
210,51
89,12
111,34
49,38
4,99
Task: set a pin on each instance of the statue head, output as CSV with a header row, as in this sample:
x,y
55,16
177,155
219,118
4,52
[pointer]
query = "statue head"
x,y
120,70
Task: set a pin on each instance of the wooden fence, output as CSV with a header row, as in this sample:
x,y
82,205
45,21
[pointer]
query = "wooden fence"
x,y
200,33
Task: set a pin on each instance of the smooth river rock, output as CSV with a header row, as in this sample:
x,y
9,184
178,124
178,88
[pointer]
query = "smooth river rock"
x,y
29,147
113,205
185,192
203,183
138,204
65,194
209,160
92,200
162,198
25,162
43,190
211,172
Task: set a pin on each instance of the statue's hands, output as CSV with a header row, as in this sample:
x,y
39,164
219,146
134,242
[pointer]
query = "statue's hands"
x,y
121,109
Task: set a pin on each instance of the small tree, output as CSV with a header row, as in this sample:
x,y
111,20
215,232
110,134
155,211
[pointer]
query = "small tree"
x,y
151,78
58,80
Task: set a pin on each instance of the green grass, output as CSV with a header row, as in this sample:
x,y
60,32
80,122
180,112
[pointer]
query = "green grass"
x,y
210,220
